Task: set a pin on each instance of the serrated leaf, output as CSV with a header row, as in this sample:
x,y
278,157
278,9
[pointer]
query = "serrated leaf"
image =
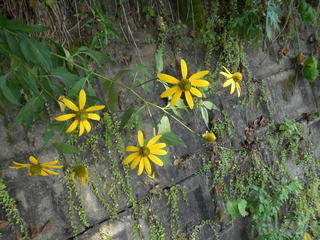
x,y
165,159
65,148
164,125
127,115
172,139
67,78
6,91
242,205
159,60
205,116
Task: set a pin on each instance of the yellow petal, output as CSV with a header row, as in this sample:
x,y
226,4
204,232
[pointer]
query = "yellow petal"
x,y
132,149
82,99
152,176
154,139
200,83
184,69
61,103
189,99
226,70
198,75
226,74
33,160
140,138
233,87
129,158
238,89
141,167
147,165
94,116
42,173
135,163
73,126
83,180
21,164
196,92
49,163
73,177
158,145
176,97
81,128
86,125
158,151
95,108
155,159
169,92
228,82
49,171
70,104
167,78
52,166
65,117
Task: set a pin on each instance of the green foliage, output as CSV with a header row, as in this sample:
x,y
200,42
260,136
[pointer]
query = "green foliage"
x,y
157,231
237,208
307,12
172,139
66,148
204,107
149,11
273,13
310,69
8,205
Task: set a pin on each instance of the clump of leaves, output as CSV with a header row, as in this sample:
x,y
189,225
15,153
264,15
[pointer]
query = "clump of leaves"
x,y
307,12
310,69
272,18
237,208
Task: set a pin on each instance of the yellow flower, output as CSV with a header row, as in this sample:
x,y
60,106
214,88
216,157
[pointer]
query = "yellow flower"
x,y
81,114
233,80
37,168
61,103
209,137
143,154
80,172
185,85
307,236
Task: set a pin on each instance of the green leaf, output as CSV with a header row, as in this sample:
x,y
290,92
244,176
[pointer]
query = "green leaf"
x,y
232,208
272,18
143,69
77,87
172,139
242,205
48,134
14,24
66,148
164,125
126,116
159,60
13,44
166,159
310,69
205,116
307,12
98,57
7,92
67,78
210,106
50,2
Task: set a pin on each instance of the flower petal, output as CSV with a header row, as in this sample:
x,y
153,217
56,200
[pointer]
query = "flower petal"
x,y
200,83
228,82
81,128
33,160
95,108
226,70
196,92
158,146
129,158
73,126
140,138
141,167
49,171
65,117
21,164
82,99
86,125
198,75
189,99
83,180
226,74
94,116
155,159
147,165
184,68
70,104
238,89
169,92
176,97
135,163
52,166
158,151
42,173
153,140
167,78
233,87
132,149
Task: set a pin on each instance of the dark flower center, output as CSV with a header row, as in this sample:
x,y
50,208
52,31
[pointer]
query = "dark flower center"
x,y
82,115
185,85
80,171
144,151
35,169
237,77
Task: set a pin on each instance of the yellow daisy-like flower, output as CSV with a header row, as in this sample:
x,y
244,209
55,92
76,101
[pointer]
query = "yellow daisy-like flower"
x,y
143,154
61,103
185,85
233,80
37,168
209,137
80,172
81,114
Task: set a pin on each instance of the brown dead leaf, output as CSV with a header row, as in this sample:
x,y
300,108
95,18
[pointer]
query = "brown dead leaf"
x,y
218,187
193,34
155,191
47,226
301,58
285,51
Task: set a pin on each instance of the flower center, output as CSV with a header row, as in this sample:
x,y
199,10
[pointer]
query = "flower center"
x,y
237,77
144,151
185,85
80,171
82,115
35,169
